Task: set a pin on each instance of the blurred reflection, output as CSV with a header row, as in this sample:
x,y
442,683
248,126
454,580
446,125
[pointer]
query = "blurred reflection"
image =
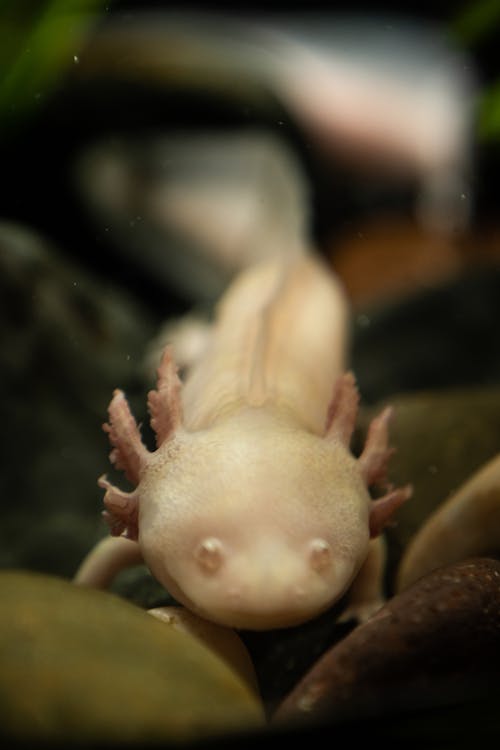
x,y
385,103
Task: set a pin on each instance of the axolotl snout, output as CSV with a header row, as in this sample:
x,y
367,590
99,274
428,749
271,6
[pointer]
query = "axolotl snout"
x,y
252,511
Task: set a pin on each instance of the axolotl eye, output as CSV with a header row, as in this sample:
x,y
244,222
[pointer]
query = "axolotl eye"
x,y
261,581
320,554
210,554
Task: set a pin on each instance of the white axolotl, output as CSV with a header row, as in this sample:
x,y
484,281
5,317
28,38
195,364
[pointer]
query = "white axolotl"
x,y
252,511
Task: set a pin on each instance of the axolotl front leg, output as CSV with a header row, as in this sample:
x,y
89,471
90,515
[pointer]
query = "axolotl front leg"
x,y
123,510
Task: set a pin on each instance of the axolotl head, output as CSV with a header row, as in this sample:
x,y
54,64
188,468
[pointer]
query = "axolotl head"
x,y
252,523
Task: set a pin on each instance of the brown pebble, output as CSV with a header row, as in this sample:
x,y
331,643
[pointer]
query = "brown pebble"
x,y
436,642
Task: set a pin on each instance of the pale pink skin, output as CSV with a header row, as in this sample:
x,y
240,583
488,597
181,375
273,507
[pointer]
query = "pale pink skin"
x,y
252,511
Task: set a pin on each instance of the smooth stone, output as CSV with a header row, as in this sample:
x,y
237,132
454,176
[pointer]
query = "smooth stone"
x,y
466,525
80,664
435,644
441,438
224,642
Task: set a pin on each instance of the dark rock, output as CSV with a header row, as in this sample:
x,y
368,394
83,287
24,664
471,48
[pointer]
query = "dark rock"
x,y
437,643
441,337
68,340
282,657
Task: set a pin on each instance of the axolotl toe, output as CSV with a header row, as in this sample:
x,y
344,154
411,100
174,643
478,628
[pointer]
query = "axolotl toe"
x,y
252,511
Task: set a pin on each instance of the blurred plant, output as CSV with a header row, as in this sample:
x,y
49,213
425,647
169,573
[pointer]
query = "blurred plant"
x,y
475,24
489,113
39,40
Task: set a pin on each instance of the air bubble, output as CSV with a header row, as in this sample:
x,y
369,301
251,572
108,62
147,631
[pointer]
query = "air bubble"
x,y
363,321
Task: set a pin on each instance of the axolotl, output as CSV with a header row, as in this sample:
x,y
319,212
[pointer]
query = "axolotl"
x,y
252,511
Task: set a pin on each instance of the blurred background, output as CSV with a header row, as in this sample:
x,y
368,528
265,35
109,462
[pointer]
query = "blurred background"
x,y
385,114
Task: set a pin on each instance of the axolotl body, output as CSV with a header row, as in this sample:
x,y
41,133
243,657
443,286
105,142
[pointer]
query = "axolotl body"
x,y
252,511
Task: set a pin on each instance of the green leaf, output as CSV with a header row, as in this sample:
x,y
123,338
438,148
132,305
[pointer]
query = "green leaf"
x,y
489,113
38,43
475,21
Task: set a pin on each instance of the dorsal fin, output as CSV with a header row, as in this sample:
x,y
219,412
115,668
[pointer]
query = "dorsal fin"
x,y
257,380
258,385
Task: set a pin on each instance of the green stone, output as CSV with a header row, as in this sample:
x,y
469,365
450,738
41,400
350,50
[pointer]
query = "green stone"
x,y
441,438
84,665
